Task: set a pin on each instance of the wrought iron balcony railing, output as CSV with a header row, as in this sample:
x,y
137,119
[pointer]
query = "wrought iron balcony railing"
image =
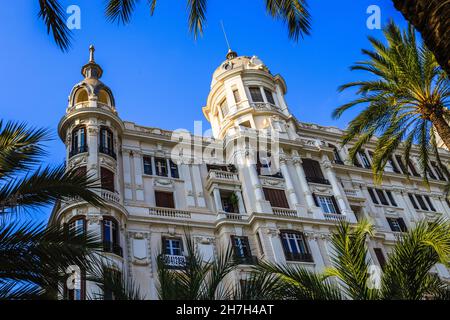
x,y
109,151
78,150
112,247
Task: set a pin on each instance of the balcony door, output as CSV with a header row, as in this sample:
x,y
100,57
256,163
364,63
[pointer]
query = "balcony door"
x,y
276,197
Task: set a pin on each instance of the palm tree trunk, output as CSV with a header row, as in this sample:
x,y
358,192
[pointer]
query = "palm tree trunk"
x,y
430,18
442,128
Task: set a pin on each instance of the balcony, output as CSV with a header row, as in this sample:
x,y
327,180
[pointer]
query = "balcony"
x,y
354,195
334,217
248,260
169,212
301,257
223,176
284,212
108,151
109,196
233,216
174,261
263,106
317,180
112,247
78,150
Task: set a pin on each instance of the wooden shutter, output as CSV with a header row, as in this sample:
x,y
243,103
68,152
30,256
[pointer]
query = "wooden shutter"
x,y
276,197
164,199
81,171
107,179
333,199
316,202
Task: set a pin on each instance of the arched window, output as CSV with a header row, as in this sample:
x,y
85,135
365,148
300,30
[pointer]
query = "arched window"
x,y
81,96
78,141
106,144
103,97
110,233
107,179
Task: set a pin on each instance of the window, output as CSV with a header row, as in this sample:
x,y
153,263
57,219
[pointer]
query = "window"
x,y
269,96
264,165
372,196
164,199
106,145
397,224
391,198
107,179
173,169
438,171
255,93
430,173
382,197
147,165
242,250
78,141
365,160
401,164
413,169
380,257
172,246
77,226
313,171
81,171
337,156
430,204
421,202
229,202
224,107
328,204
161,167
236,95
393,165
295,247
413,201
110,234
276,197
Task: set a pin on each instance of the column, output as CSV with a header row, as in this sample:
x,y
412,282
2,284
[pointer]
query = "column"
x,y
138,176
337,191
289,184
186,176
197,180
240,201
303,182
276,246
217,199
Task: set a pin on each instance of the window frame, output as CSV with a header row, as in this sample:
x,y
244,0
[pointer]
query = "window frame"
x,y
299,239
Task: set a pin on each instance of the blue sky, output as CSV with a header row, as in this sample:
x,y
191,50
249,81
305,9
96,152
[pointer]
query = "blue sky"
x,y
160,75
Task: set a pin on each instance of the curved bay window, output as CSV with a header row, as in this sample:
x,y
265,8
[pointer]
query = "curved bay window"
x,y
110,234
106,144
78,141
295,247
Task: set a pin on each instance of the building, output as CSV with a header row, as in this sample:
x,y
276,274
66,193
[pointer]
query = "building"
x,y
280,203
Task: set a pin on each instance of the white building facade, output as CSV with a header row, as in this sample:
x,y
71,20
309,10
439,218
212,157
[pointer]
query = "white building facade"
x,y
277,201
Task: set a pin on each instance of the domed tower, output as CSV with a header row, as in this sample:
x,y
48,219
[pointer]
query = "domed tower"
x,y
245,93
91,131
246,106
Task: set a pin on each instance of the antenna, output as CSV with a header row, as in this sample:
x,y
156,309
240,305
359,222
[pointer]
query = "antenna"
x,y
225,35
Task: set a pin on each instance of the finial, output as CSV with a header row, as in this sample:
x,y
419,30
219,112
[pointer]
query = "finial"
x,y
230,54
91,53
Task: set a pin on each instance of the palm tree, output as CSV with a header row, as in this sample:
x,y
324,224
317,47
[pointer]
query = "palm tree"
x,y
293,13
32,255
406,274
405,100
430,18
198,279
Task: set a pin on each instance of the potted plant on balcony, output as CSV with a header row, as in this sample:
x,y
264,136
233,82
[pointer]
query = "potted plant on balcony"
x,y
234,200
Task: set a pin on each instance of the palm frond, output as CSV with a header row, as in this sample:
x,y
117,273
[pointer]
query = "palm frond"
x,y
53,15
120,11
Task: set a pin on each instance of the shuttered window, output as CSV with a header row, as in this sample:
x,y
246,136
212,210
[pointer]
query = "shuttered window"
x,y
164,199
313,172
276,197
397,224
107,179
